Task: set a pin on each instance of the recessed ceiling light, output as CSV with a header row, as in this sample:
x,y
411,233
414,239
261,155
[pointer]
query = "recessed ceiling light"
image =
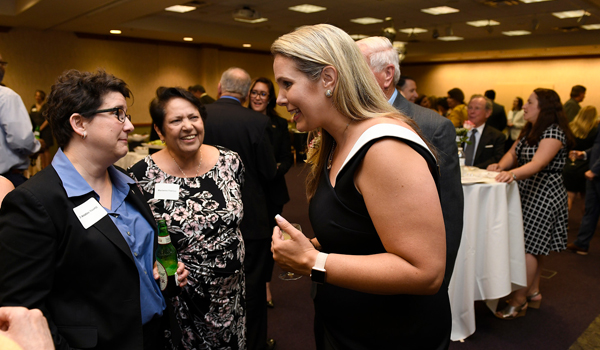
x,y
247,45
516,32
532,1
115,31
187,38
483,23
413,30
441,10
180,8
451,38
591,26
307,8
257,20
366,20
358,36
571,14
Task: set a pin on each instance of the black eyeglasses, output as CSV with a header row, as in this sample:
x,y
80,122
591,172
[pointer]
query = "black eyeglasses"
x,y
119,113
261,93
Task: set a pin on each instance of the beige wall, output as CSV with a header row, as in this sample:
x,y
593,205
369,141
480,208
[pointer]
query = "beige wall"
x,y
36,58
510,78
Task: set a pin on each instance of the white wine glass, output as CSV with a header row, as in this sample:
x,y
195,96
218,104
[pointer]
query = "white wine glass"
x,y
286,275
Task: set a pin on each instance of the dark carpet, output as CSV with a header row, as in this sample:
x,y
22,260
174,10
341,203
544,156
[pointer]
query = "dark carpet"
x,y
566,319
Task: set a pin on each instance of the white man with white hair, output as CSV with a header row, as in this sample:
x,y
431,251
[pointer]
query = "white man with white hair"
x,y
383,60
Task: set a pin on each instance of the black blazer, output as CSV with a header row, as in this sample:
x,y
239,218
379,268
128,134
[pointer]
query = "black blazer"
x,y
498,117
440,132
85,281
277,190
246,132
490,148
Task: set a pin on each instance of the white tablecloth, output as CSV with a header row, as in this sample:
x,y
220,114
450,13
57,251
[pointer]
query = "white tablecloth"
x,y
130,159
491,258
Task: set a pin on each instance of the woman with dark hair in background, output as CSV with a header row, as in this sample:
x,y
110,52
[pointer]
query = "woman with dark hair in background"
x,y
585,128
536,161
442,106
203,213
263,100
36,113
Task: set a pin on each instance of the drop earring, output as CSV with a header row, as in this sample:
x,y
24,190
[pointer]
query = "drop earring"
x,y
328,93
84,135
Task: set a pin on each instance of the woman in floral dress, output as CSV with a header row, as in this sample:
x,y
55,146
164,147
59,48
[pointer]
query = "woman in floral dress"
x,y
196,188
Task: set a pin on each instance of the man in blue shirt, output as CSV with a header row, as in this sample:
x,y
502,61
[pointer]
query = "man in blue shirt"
x,y
17,141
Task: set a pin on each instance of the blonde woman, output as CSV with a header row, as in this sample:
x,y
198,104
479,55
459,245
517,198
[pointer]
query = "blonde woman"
x,y
379,254
585,129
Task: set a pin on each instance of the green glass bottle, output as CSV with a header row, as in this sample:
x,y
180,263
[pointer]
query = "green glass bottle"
x,y
166,261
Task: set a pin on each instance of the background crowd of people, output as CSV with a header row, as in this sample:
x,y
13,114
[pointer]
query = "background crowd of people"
x,y
78,238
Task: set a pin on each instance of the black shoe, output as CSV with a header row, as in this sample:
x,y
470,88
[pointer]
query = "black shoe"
x,y
271,344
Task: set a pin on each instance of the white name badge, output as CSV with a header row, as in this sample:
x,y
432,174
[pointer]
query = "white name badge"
x,y
90,212
166,191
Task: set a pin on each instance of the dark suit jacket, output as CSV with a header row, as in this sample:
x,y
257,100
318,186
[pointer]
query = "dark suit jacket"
x,y
490,148
593,155
206,100
246,132
498,117
440,132
277,189
85,281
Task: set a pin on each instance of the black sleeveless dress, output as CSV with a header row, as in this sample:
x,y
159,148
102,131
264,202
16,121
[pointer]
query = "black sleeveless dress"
x,y
347,319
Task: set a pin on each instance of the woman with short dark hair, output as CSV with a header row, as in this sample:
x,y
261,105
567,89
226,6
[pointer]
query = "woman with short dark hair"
x,y
203,212
78,239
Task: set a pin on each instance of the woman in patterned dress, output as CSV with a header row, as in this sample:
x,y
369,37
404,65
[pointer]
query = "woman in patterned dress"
x,y
197,189
536,161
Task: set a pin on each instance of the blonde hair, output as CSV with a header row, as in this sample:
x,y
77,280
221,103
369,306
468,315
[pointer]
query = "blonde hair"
x,y
356,94
584,122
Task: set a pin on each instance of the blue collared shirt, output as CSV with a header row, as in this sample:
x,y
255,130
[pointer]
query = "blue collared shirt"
x,y
136,231
231,97
393,98
16,134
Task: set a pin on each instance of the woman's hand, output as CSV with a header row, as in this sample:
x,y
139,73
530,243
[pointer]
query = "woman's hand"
x,y
504,176
295,254
576,155
494,167
589,175
182,273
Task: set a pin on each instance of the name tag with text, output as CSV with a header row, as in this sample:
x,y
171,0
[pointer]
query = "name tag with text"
x,y
89,212
166,191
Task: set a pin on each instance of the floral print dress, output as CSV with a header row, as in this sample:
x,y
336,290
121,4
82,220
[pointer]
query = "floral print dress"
x,y
204,227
